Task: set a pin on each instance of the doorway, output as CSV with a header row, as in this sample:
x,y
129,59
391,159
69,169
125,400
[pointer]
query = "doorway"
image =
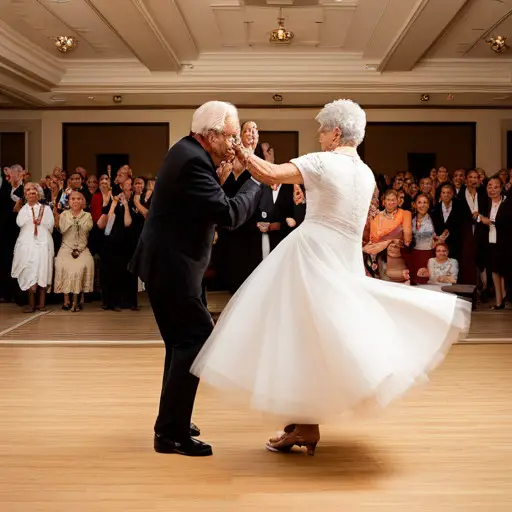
x,y
115,160
420,164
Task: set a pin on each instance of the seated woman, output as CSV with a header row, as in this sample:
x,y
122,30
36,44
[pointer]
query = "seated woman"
x,y
390,231
74,265
32,263
441,270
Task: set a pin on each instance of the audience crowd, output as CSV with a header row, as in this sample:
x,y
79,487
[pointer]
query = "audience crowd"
x,y
72,235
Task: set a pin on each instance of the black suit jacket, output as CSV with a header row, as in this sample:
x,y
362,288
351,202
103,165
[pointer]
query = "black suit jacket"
x,y
187,203
452,224
268,211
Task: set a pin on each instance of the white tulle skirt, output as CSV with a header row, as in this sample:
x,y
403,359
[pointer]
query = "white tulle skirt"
x,y
308,337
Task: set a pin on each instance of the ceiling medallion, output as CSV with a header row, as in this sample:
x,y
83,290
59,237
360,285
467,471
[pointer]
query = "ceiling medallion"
x,y
497,44
280,35
65,43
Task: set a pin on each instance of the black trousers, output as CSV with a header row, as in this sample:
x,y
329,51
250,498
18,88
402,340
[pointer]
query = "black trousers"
x,y
185,324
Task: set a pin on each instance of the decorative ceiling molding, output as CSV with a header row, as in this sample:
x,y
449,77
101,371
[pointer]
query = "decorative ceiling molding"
x,y
261,71
146,16
419,33
30,61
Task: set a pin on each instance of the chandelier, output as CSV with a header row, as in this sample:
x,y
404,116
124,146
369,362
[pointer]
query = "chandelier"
x,y
498,44
64,43
280,35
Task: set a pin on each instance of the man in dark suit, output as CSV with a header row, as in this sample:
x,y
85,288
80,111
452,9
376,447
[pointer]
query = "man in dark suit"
x,y
172,256
446,217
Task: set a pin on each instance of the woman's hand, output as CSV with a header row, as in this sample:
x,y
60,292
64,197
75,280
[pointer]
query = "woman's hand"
x,y
298,195
291,222
423,272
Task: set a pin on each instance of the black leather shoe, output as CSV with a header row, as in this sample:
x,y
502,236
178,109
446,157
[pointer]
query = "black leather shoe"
x,y
191,447
194,430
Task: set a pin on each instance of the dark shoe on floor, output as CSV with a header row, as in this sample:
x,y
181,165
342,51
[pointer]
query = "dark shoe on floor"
x,y
194,430
191,447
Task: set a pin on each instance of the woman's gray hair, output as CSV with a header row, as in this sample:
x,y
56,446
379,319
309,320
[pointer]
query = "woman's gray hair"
x,y
346,115
39,189
212,116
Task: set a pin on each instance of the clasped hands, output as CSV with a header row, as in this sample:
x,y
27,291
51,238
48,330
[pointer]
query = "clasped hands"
x,y
236,160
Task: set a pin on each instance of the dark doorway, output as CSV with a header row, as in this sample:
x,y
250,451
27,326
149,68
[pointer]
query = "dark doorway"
x,y
420,164
115,160
12,148
509,150
285,144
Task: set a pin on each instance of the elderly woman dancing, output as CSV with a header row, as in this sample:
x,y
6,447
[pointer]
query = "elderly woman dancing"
x,y
294,336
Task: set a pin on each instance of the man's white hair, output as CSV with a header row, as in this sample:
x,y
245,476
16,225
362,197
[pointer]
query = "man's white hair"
x,y
16,168
212,116
346,115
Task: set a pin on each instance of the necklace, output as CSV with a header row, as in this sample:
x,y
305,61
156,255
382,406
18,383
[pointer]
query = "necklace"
x,y
37,221
419,222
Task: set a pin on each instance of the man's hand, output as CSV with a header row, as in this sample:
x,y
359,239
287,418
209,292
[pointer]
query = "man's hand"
x,y
224,171
263,226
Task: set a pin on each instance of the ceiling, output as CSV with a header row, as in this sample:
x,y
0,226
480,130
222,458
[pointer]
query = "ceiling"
x,y
173,53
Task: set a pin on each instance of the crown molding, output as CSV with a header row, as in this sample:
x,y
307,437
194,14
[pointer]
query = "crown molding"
x,y
261,71
28,60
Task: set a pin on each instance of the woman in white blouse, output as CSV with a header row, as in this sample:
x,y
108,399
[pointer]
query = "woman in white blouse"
x,y
32,264
442,270
495,239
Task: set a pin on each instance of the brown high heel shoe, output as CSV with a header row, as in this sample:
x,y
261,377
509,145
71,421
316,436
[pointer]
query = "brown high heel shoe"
x,y
302,435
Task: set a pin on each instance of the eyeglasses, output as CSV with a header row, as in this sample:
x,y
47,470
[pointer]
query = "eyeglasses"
x,y
233,138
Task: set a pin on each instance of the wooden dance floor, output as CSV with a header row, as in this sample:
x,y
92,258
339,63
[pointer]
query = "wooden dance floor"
x,y
76,424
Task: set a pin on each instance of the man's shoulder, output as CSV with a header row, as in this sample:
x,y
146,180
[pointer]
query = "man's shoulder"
x,y
189,147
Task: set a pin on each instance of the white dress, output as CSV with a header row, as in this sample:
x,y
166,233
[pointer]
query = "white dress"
x,y
308,336
33,255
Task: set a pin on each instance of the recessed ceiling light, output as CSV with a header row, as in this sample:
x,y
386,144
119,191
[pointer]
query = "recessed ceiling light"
x,y
57,99
92,97
371,67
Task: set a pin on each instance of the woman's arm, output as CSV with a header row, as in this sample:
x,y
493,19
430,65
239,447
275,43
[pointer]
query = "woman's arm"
x,y
87,222
48,220
127,216
65,221
267,172
102,221
141,209
24,216
407,227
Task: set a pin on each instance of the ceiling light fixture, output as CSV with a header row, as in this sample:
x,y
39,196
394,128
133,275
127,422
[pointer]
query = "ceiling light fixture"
x,y
64,43
497,44
424,97
280,35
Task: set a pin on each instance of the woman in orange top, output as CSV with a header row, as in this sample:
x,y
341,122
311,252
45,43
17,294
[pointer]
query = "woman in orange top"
x,y
390,231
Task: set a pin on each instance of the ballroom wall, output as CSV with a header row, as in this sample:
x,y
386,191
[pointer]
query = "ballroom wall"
x,y
44,128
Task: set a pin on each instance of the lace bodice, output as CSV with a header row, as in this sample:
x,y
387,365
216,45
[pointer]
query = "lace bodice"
x,y
339,189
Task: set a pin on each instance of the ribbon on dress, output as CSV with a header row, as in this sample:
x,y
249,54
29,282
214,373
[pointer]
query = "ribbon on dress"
x,y
37,221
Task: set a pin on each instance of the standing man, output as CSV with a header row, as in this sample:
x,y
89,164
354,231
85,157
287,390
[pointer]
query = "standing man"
x,y
172,256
